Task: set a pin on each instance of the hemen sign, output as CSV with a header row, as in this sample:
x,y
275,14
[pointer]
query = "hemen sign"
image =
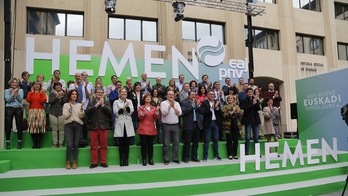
x,y
210,51
298,154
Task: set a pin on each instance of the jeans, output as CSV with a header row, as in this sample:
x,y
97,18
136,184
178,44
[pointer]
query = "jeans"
x,y
212,130
72,132
159,131
17,113
248,128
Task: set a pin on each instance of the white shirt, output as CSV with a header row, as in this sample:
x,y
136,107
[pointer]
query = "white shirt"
x,y
168,115
213,117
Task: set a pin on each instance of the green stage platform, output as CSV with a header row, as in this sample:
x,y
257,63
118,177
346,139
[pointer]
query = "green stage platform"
x,y
46,157
41,172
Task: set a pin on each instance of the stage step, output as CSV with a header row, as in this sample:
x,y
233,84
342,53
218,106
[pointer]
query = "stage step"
x,y
28,158
212,177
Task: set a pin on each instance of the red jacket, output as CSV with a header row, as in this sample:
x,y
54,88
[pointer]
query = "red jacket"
x,y
147,122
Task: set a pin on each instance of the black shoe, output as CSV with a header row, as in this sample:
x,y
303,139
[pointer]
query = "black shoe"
x,y
151,162
144,162
126,162
196,160
166,162
176,161
93,166
19,145
8,145
121,163
217,158
186,161
104,165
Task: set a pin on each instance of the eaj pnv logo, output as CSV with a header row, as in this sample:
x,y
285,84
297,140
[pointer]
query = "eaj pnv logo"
x,y
211,51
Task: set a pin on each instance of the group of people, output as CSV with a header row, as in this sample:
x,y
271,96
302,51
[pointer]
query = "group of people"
x,y
157,113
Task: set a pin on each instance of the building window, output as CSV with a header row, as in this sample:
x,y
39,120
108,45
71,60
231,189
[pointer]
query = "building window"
x,y
342,51
341,11
263,38
59,23
313,5
132,29
309,44
194,31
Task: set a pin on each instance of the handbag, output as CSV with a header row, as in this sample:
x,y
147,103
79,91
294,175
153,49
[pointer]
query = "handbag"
x,y
24,124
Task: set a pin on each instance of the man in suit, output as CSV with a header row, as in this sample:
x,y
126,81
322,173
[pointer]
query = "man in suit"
x,y
211,110
192,123
208,85
251,118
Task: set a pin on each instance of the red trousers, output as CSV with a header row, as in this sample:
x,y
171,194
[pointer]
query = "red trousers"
x,y
99,137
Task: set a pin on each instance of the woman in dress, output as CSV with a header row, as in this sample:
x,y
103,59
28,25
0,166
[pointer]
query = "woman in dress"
x,y
270,114
72,113
147,117
123,109
57,99
231,115
37,116
13,109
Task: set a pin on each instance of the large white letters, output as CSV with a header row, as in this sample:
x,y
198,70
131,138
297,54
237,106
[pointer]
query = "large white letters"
x,y
75,57
287,154
32,55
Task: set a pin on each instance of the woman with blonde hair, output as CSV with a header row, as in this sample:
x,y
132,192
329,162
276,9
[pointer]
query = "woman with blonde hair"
x,y
37,116
123,109
13,109
271,117
231,115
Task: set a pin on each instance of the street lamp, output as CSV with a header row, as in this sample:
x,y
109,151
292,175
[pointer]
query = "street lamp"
x,y
110,6
178,8
247,7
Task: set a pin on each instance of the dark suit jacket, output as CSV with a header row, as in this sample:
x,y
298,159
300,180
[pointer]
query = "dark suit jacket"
x,y
250,114
187,114
98,117
133,97
207,114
